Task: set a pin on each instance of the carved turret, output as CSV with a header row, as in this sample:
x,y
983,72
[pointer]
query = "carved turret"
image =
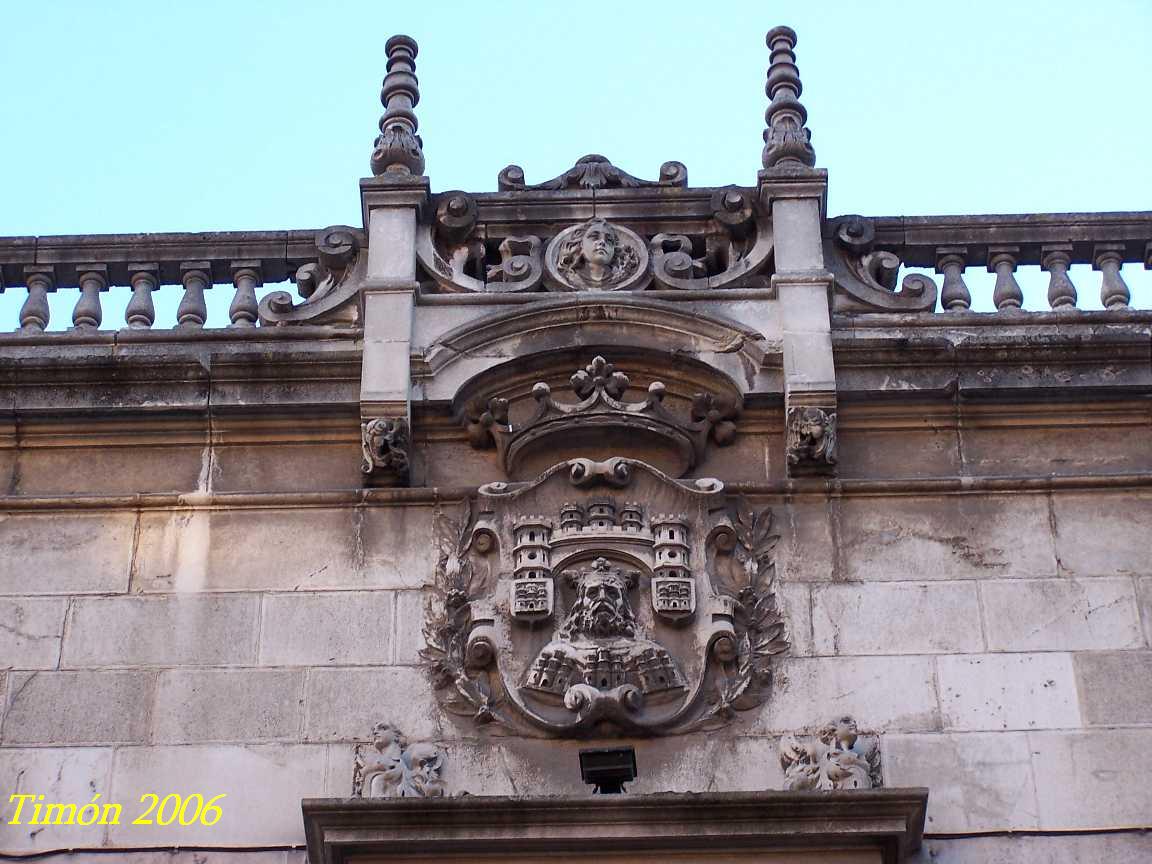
x,y
398,149
786,140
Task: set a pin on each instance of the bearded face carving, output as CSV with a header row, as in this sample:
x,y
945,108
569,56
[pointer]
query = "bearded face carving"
x,y
598,649
601,610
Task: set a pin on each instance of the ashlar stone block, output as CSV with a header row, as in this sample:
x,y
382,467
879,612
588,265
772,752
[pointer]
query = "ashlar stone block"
x,y
945,537
1103,533
1134,848
65,553
60,774
1007,691
30,631
245,705
1091,780
240,550
178,629
1115,687
896,618
1061,614
882,693
980,781
263,783
336,628
78,707
344,704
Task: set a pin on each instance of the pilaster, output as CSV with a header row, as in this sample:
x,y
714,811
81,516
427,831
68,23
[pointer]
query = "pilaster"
x,y
795,194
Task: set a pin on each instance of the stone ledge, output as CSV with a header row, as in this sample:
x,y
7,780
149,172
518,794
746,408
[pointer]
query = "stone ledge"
x,y
888,823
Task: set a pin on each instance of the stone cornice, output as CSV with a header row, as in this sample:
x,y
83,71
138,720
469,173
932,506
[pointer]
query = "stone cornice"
x,y
890,821
419,496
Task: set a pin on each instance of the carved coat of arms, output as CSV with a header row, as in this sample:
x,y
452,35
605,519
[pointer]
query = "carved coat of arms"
x,y
604,598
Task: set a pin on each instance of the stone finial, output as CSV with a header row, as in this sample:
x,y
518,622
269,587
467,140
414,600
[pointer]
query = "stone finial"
x,y
398,149
786,141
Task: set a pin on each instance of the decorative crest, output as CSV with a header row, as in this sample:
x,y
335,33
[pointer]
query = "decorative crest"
x,y
786,140
601,419
593,172
398,149
603,616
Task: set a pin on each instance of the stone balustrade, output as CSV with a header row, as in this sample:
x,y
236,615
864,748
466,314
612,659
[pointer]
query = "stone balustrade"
x,y
147,263
951,246
954,245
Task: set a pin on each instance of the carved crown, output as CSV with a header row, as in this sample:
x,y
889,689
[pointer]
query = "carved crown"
x,y
602,424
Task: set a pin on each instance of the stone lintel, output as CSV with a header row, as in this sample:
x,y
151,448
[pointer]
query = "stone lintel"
x,y
884,826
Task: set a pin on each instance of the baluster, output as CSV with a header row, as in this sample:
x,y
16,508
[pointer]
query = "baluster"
x,y
1002,261
954,293
34,314
93,279
1061,291
193,311
1107,258
246,277
141,313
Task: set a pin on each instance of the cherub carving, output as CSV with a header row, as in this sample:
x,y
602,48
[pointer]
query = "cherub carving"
x,y
834,759
393,768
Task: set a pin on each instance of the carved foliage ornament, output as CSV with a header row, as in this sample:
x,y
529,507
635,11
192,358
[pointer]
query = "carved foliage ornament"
x,y
602,416
390,767
838,757
563,607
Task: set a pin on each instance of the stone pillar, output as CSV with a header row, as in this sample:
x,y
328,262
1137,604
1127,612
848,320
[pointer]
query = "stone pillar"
x,y
391,202
795,194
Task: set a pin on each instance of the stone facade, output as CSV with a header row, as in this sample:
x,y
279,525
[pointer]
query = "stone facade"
x,y
593,461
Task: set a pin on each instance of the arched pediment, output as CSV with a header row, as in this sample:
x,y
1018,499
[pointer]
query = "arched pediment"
x,y
618,325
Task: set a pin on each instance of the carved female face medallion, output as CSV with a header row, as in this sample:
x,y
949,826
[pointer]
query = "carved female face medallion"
x,y
596,256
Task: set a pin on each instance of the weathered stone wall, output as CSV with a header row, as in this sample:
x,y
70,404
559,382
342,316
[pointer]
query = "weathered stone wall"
x,y
996,635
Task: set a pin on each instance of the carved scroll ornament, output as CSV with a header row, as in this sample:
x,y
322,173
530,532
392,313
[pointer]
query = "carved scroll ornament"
x,y
565,610
596,254
329,286
866,277
593,172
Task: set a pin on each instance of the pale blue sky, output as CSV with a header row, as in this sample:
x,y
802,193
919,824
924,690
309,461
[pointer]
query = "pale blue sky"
x,y
152,116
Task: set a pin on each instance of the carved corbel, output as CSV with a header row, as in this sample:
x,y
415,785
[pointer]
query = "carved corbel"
x,y
329,285
865,277
811,440
386,444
